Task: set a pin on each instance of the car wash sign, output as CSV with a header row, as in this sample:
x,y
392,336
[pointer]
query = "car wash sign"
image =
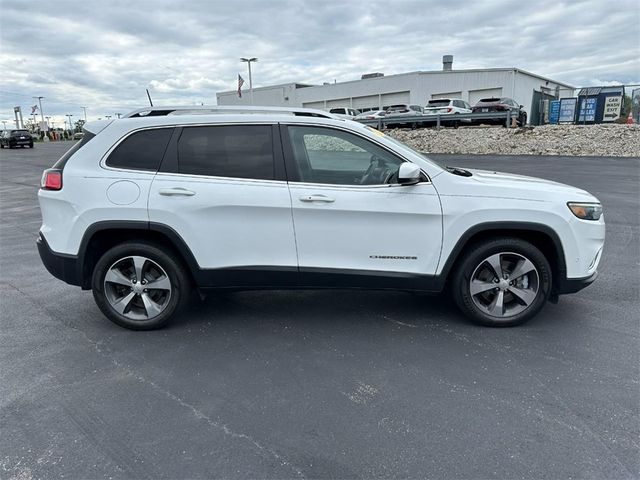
x,y
612,107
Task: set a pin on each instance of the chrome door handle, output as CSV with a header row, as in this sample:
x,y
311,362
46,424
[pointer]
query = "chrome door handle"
x,y
171,192
317,198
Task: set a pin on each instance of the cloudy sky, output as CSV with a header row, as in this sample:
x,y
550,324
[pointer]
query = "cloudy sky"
x,y
103,54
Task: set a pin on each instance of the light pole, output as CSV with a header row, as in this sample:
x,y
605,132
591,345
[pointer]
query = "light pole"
x,y
84,109
108,117
118,114
248,62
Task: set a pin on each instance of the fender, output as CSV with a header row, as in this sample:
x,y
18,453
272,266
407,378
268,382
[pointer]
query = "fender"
x,y
493,226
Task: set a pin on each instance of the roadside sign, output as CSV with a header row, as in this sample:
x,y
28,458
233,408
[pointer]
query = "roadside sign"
x,y
567,110
587,110
612,107
554,111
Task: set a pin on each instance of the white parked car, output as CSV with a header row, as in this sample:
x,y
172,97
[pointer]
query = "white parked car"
x,y
371,115
348,113
446,106
148,207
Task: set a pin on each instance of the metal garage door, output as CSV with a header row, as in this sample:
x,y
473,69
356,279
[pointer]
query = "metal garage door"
x,y
319,105
475,95
394,98
446,95
341,102
370,101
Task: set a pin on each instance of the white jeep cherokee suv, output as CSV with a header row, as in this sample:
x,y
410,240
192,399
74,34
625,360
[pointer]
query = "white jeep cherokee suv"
x,y
148,207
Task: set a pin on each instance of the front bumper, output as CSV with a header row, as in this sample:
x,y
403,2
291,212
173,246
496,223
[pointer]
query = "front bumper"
x,y
573,285
63,267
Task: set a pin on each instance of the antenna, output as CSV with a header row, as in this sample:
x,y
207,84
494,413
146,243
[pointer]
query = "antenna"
x,y
149,96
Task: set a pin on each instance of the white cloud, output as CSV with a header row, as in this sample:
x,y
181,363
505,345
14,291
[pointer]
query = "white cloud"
x,y
104,55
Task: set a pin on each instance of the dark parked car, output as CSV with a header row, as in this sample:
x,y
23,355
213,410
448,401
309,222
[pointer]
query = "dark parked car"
x,y
16,138
503,104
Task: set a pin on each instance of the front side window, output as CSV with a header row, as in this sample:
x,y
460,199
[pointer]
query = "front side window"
x,y
324,155
142,150
238,151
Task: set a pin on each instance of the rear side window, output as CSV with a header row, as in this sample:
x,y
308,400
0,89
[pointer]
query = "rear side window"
x,y
141,150
237,151
62,161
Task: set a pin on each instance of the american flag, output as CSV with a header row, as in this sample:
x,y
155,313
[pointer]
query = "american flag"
x,y
240,83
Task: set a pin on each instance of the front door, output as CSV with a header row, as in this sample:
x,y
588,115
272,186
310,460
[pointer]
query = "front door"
x,y
350,215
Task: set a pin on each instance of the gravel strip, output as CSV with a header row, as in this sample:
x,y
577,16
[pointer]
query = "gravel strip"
x,y
590,140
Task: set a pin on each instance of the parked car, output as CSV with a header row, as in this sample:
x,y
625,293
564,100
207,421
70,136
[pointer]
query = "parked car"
x,y
301,199
448,106
370,115
16,138
78,135
503,104
403,110
348,113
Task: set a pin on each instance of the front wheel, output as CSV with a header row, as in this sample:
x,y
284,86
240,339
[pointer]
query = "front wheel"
x,y
502,282
139,286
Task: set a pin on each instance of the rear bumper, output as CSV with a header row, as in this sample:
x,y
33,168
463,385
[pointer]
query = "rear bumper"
x,y
573,285
63,267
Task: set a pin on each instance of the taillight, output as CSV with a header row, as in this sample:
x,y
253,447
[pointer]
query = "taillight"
x,y
500,107
51,179
450,109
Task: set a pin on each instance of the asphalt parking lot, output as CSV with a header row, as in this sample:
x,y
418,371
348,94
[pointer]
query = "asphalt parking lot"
x,y
321,384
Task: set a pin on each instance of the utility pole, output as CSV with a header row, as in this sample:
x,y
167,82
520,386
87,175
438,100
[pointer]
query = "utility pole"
x,y
248,62
85,113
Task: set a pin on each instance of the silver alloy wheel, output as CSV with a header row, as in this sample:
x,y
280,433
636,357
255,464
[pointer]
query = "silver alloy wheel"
x,y
504,284
137,288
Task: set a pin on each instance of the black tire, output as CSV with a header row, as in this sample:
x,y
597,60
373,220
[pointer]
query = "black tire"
x,y
473,261
31,145
1,145
180,287
523,119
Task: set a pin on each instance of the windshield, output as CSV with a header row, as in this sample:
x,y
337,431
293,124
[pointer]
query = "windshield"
x,y
17,133
404,146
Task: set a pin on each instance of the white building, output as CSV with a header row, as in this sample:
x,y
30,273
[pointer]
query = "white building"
x,y
417,88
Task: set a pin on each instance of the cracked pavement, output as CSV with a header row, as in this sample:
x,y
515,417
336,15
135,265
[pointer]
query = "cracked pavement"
x,y
319,384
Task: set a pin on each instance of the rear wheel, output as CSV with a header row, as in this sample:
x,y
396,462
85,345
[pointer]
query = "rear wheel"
x,y
502,282
138,286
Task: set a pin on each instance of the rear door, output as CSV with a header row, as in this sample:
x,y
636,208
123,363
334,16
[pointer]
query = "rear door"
x,y
222,189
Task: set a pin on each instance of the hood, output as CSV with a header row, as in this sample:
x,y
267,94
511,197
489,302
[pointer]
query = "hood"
x,y
520,186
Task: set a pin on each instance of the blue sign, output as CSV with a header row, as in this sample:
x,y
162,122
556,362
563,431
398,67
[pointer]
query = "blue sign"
x,y
567,110
587,109
554,111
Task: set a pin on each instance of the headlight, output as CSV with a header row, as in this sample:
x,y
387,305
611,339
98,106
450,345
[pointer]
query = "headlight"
x,y
586,211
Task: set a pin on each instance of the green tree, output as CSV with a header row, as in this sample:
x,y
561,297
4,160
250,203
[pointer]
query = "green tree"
x,y
78,126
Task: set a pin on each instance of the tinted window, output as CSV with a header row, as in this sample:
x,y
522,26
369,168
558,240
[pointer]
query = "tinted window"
x,y
244,151
324,155
141,150
19,133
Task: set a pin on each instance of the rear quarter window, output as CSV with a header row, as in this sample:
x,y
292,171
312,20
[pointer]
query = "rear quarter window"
x,y
142,150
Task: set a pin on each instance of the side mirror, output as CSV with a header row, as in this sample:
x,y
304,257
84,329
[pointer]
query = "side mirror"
x,y
408,174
